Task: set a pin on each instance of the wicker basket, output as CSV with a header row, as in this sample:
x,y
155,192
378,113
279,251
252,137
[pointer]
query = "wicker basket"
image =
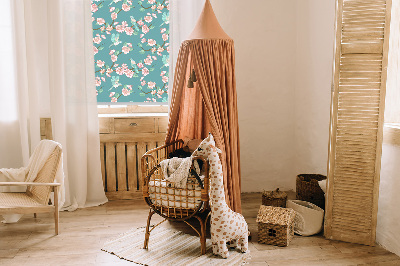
x,y
274,198
308,189
275,225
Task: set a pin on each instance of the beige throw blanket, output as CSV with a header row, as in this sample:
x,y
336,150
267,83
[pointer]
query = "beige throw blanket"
x,y
176,170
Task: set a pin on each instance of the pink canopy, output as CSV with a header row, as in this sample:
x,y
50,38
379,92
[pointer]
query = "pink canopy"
x,y
210,104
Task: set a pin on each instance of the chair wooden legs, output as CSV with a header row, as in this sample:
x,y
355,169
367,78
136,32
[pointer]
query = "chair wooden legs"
x,y
147,235
203,232
203,229
56,211
203,237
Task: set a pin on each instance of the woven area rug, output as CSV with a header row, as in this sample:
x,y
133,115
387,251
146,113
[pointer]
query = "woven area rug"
x,y
167,247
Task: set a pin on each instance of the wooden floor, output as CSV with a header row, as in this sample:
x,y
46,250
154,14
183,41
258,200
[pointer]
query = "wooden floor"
x,y
83,232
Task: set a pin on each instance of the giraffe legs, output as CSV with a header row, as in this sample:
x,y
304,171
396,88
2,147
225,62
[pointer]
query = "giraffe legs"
x,y
221,249
214,248
243,244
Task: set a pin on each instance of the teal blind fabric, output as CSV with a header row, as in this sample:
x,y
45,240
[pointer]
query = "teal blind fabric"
x,y
131,50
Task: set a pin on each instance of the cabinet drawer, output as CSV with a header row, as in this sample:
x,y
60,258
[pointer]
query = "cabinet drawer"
x,y
134,125
162,124
106,125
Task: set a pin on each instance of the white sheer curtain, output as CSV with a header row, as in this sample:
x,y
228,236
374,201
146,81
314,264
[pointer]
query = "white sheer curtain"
x,y
55,78
183,18
10,155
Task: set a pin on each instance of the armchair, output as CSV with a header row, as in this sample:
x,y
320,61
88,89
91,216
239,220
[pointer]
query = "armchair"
x,y
36,197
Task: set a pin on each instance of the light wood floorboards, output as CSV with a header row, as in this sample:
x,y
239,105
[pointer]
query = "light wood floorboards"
x,y
83,232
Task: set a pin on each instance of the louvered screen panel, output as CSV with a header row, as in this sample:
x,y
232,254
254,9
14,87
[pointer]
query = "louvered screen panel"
x,y
358,96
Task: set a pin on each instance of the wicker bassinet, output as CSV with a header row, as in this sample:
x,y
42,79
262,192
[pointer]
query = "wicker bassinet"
x,y
175,203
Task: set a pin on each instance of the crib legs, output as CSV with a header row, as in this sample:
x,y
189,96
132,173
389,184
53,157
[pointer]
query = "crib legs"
x,y
147,236
203,224
203,231
203,236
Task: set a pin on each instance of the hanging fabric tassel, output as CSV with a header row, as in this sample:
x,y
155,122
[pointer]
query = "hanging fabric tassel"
x,y
193,76
190,83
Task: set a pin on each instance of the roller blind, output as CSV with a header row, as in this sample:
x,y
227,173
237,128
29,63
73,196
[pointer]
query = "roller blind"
x,y
358,97
131,51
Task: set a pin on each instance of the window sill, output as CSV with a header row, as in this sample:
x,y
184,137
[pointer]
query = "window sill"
x,y
133,115
131,109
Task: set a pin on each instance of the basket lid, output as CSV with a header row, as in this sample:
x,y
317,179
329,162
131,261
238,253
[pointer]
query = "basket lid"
x,y
275,215
275,194
311,177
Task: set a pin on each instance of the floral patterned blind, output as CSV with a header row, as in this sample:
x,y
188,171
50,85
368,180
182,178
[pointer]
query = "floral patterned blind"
x,y
131,50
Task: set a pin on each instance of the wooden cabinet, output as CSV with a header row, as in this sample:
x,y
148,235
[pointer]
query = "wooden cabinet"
x,y
123,141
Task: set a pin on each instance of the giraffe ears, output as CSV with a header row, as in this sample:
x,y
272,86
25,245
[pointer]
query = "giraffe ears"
x,y
216,149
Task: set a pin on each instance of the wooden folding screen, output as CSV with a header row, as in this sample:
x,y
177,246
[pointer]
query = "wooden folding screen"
x,y
358,96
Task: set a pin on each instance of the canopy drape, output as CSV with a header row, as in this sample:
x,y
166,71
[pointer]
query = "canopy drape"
x,y
211,106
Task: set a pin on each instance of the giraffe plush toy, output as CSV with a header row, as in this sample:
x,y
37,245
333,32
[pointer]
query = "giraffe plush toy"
x,y
226,225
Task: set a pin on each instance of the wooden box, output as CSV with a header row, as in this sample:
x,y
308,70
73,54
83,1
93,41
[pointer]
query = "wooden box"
x,y
275,225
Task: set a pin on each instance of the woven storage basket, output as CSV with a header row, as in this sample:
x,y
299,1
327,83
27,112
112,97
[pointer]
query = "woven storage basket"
x,y
274,198
309,217
275,225
308,189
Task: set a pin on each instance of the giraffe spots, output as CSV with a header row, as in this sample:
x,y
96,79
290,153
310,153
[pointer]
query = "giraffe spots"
x,y
225,224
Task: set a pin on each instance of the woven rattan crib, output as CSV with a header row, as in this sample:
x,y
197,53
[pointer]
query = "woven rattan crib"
x,y
170,202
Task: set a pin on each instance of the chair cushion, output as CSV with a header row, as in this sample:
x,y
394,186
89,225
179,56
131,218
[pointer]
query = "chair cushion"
x,y
17,199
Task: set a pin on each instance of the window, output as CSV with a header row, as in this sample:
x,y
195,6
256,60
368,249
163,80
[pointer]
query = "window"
x,y
131,51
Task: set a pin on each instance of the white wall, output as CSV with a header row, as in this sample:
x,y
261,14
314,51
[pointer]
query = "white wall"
x,y
314,60
284,52
388,227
